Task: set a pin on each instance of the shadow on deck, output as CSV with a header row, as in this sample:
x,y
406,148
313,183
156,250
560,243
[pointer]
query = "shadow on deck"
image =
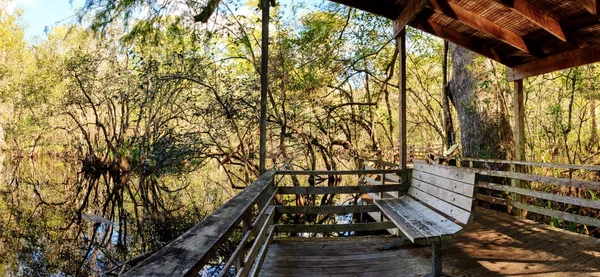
x,y
493,245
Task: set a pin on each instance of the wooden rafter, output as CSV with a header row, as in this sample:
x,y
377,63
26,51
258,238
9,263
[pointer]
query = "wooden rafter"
x,y
408,14
590,5
424,23
482,24
543,20
561,61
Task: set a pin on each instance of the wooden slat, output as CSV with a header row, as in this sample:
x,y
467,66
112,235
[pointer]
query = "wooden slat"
x,y
450,197
480,23
416,221
453,185
539,178
371,181
187,254
588,203
333,228
452,211
325,209
340,189
537,17
336,172
556,62
264,215
435,221
491,199
424,24
562,215
408,14
528,163
261,238
453,173
263,253
391,178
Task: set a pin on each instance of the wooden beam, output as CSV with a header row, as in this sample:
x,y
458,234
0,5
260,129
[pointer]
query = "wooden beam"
x,y
408,14
264,85
590,5
553,63
402,141
519,132
482,24
537,17
428,26
543,20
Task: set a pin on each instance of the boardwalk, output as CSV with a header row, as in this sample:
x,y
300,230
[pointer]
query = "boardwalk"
x,y
493,245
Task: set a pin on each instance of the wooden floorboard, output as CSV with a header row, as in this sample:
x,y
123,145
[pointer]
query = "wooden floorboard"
x,y
493,244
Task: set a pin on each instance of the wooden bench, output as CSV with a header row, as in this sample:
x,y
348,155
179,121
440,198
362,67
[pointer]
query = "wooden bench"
x,y
438,205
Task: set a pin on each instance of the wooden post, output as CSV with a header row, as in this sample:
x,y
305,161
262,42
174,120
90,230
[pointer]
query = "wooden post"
x,y
264,84
401,44
519,141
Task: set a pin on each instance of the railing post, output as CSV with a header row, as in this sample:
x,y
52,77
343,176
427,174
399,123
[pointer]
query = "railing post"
x,y
246,224
519,132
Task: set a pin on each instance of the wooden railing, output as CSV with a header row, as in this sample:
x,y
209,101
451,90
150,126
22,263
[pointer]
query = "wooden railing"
x,y
537,187
253,212
360,188
189,253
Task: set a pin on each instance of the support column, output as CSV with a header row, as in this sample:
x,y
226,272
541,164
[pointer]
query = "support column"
x,y
264,84
519,132
401,45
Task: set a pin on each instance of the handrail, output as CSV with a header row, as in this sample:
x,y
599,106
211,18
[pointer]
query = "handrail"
x,y
190,252
187,254
538,164
336,172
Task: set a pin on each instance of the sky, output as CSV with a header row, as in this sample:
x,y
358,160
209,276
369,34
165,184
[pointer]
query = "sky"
x,y
39,14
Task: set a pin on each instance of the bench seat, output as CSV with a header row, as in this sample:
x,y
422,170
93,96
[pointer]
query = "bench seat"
x,y
438,205
416,221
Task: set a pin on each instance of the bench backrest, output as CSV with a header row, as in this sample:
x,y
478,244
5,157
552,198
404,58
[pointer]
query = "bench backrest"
x,y
448,190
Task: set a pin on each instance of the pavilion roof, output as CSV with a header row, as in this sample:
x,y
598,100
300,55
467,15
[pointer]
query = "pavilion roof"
x,y
531,37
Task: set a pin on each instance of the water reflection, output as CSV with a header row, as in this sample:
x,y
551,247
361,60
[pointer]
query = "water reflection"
x,y
59,220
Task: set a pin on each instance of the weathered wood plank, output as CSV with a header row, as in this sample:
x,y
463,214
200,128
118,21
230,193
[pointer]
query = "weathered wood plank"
x,y
453,173
401,222
450,197
333,228
562,215
263,253
340,189
420,223
261,237
264,215
588,203
528,163
325,209
491,199
453,185
187,254
336,172
451,210
408,14
539,178
480,23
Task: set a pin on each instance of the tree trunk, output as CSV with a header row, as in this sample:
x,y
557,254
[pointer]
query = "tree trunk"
x,y
447,116
593,143
484,134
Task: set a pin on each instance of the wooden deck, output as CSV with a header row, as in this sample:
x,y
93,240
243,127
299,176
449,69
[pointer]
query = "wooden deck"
x,y
493,245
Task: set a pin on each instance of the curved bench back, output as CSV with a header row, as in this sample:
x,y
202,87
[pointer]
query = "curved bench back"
x,y
448,190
